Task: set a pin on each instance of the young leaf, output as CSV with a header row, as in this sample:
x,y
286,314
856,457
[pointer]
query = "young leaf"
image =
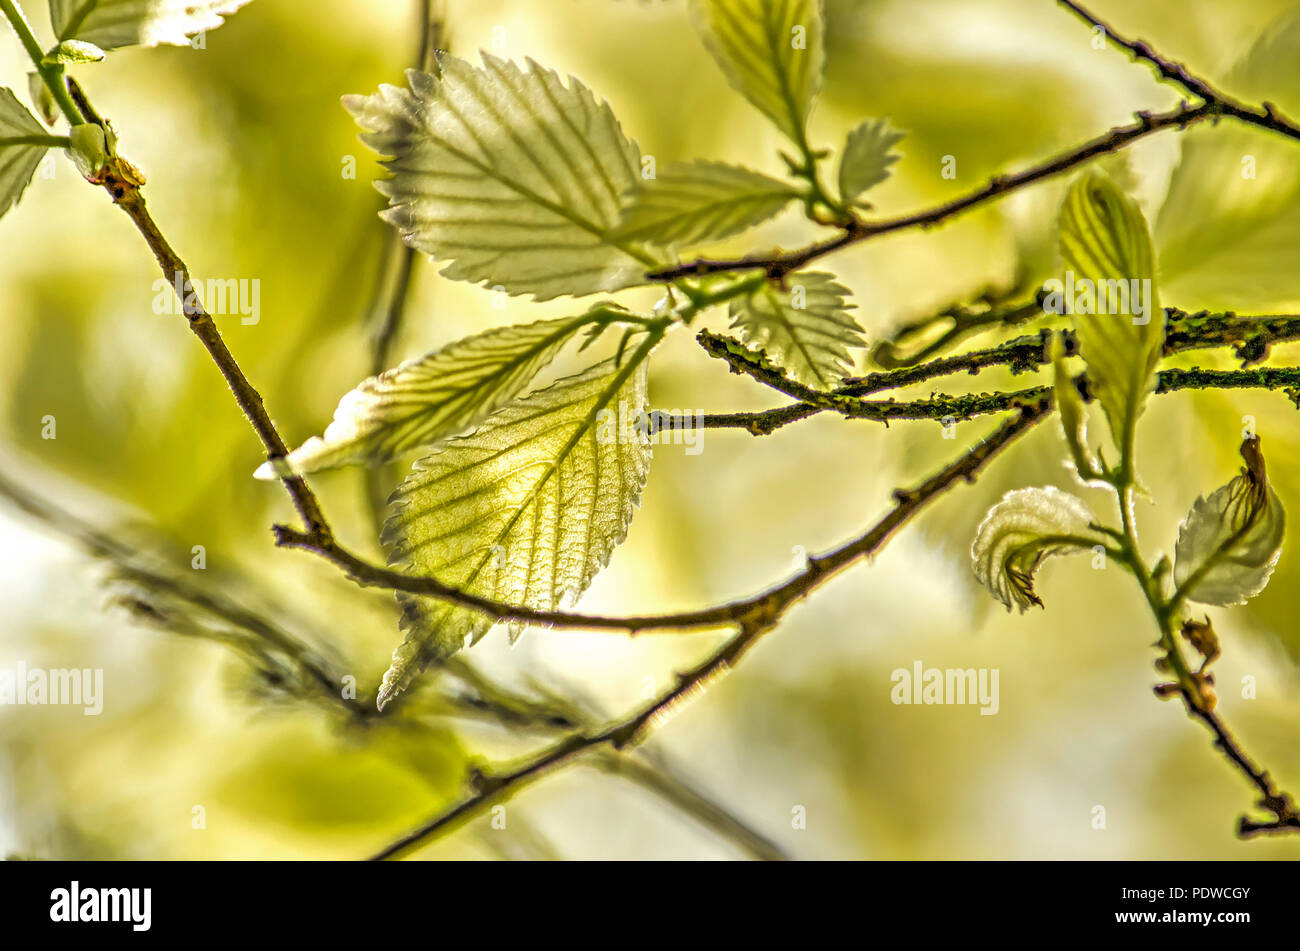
x,y
1018,533
42,98
868,154
20,153
73,52
1110,289
1074,414
514,178
1230,542
110,24
427,399
806,329
771,52
701,201
524,510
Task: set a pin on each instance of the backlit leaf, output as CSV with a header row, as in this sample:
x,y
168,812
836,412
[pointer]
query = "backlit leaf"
x,y
1110,289
1018,533
427,399
109,24
19,153
510,175
805,328
868,154
525,510
771,52
702,201
1231,540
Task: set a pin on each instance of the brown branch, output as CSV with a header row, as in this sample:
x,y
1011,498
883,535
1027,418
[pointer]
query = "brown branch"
x,y
780,264
760,615
1251,338
1213,104
1265,116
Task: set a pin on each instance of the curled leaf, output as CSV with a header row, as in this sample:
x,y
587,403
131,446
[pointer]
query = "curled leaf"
x,y
1231,540
1027,526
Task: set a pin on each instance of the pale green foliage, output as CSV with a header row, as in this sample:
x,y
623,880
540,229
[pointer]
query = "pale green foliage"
x,y
440,394
1027,526
805,328
1230,542
771,52
1074,414
74,52
1227,233
525,510
513,177
112,23
89,151
41,98
1104,239
702,201
868,154
18,159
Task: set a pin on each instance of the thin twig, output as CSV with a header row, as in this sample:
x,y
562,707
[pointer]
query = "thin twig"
x,y
778,265
764,612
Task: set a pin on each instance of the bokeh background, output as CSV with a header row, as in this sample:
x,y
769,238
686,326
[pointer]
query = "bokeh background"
x,y
245,143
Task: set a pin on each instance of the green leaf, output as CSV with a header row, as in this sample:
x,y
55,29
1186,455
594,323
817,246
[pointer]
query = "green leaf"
x,y
868,154
42,98
90,150
1074,414
21,148
1230,542
513,177
1110,289
702,201
771,52
524,510
430,398
806,329
1026,527
73,52
110,24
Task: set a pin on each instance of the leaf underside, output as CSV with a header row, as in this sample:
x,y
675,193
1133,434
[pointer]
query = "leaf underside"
x,y
525,510
805,328
756,44
110,24
1018,533
702,201
433,397
512,177
18,161
1104,239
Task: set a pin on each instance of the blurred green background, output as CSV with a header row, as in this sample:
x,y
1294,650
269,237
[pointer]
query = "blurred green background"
x,y
244,144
